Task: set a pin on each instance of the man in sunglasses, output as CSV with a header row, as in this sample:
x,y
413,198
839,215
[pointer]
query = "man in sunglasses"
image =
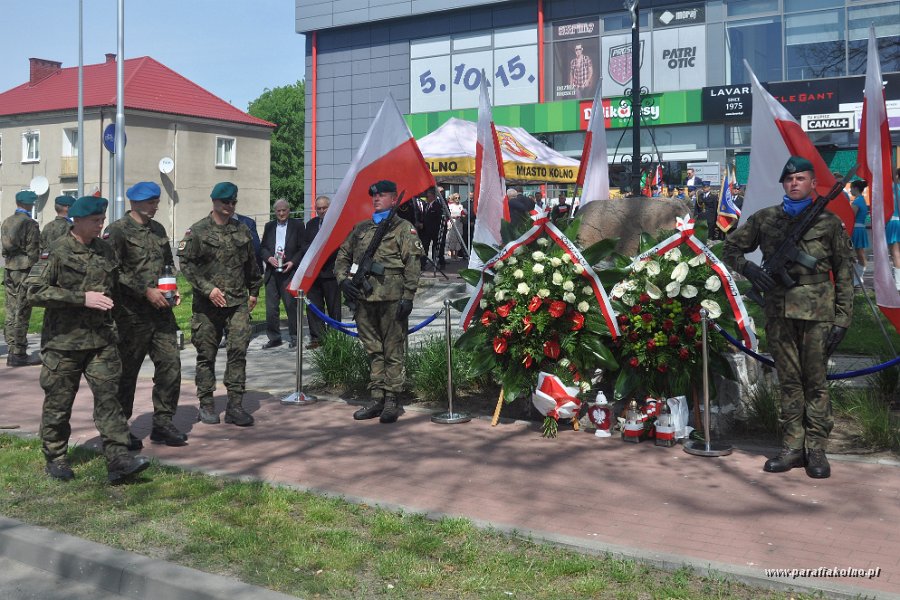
x,y
218,259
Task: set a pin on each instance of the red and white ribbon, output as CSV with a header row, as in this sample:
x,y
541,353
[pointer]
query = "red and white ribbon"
x,y
554,399
685,235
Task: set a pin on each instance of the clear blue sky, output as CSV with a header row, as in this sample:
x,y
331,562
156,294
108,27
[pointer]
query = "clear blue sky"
x,y
233,48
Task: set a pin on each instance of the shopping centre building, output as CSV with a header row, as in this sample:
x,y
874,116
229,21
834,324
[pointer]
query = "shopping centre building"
x,y
544,59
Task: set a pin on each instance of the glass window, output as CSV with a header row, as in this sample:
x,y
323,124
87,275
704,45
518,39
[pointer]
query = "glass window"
x,y
741,8
814,45
887,30
225,155
70,142
31,146
623,21
792,6
759,42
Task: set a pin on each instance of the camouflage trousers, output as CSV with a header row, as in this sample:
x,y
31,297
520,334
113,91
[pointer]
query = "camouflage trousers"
x,y
60,379
18,311
384,339
207,327
798,348
156,334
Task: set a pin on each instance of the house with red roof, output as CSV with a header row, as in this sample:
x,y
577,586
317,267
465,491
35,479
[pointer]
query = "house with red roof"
x,y
204,138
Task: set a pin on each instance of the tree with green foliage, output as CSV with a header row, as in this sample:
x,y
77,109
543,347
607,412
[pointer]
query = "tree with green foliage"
x,y
285,106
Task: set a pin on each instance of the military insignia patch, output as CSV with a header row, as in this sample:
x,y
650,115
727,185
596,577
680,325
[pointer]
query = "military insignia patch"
x,y
45,255
105,235
182,244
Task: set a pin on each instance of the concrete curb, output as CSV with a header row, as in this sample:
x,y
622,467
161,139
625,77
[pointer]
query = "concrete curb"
x,y
117,571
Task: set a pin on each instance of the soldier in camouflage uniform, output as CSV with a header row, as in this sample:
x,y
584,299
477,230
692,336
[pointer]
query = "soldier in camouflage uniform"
x,y
143,313
804,324
21,237
59,226
382,315
218,259
76,280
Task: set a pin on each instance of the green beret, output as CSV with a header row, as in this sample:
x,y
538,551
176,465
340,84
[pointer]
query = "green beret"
x,y
87,206
795,164
383,187
224,190
26,197
64,200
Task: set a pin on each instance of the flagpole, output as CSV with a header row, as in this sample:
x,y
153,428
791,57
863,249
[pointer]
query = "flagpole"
x,y
635,98
80,98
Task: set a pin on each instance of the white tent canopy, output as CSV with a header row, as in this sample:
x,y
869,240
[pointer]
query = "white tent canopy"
x,y
449,151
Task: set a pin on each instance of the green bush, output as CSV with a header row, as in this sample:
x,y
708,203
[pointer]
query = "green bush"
x,y
870,411
426,370
764,408
340,362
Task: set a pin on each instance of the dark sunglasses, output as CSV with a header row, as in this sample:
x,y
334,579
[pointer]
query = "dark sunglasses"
x,y
231,202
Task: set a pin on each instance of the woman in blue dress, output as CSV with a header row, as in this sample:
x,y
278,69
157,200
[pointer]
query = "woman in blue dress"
x,y
892,230
860,235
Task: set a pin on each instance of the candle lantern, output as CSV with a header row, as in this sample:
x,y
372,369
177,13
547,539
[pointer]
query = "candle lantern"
x,y
600,415
633,430
665,427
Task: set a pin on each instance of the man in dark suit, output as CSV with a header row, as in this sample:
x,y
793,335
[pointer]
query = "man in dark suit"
x,y
281,251
324,292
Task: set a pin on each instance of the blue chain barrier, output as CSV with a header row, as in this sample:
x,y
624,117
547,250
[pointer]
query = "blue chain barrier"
x,y
348,327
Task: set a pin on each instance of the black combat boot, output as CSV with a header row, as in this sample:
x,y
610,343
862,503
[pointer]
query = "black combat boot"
x,y
124,466
167,434
817,465
370,410
786,460
236,415
21,360
134,443
392,409
60,469
208,412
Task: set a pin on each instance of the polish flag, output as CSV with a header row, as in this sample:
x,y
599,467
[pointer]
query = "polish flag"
x,y
388,151
490,181
775,136
875,167
593,173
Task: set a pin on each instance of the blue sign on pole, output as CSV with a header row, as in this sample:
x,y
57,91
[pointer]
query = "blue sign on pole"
x,y
109,138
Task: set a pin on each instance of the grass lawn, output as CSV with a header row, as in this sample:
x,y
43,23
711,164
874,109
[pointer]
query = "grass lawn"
x,y
310,546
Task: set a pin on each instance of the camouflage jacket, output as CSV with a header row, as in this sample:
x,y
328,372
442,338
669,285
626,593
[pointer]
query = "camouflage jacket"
x,y
220,256
56,228
143,251
21,237
815,298
59,281
398,253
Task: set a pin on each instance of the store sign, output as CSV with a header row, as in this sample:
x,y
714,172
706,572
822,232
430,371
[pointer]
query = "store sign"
x,y
678,17
575,29
616,57
661,109
893,113
679,59
727,102
843,121
806,97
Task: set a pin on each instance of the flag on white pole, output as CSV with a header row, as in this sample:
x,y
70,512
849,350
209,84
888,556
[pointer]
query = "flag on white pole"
x,y
593,173
490,181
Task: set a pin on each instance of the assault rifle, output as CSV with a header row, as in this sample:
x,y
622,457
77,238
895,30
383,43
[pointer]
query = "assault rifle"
x,y
789,253
366,263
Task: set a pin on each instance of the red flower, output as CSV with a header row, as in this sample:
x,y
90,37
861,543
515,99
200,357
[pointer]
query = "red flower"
x,y
647,317
622,319
683,354
504,309
526,320
551,349
557,308
662,368
643,298
506,333
635,309
673,340
527,361
487,317
651,344
634,362
577,321
695,317
535,303
667,325
576,377
499,345
690,331
633,336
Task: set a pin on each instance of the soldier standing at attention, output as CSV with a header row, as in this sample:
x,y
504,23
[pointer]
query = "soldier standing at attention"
x,y
59,226
144,315
805,323
21,237
76,280
382,315
218,259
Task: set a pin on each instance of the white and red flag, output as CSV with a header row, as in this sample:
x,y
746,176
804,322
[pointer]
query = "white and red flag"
x,y
593,173
875,167
490,181
775,136
388,151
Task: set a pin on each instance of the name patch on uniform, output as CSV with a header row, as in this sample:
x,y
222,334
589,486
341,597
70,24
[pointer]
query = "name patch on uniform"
x,y
354,268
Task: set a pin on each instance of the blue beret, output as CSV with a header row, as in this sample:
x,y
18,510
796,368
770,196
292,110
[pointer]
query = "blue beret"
x,y
87,206
795,164
382,187
705,184
224,190
143,190
64,200
691,188
26,197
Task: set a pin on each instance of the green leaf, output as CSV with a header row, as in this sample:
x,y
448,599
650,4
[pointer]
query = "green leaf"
x,y
470,276
571,230
610,277
607,359
459,304
626,382
484,251
647,241
596,252
510,230
473,338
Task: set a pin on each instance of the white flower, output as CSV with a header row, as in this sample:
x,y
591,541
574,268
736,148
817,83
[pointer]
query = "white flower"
x,y
713,283
584,385
557,278
537,268
631,285
583,307
653,291
652,268
587,291
698,260
543,293
673,255
673,289
570,297
564,363
523,288
518,274
498,265
512,260
555,261
487,287
519,250
578,268
639,266
483,304
568,285
538,255
688,291
543,242
680,272
500,296
619,289
713,307
628,299
566,258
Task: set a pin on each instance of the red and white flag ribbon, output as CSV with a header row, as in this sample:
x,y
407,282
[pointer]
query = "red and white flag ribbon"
x,y
554,399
